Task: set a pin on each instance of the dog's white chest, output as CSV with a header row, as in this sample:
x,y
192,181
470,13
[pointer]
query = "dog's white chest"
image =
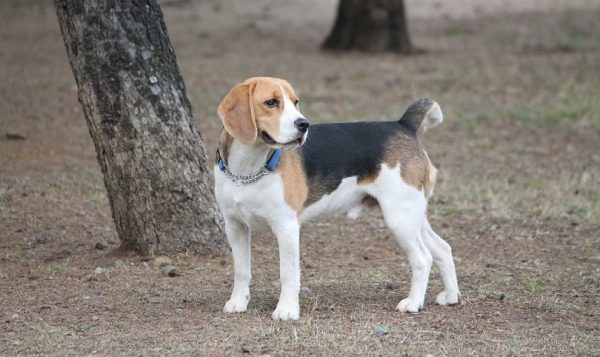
x,y
254,204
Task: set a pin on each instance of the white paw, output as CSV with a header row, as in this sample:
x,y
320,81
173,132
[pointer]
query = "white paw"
x,y
355,212
236,305
409,305
447,298
286,312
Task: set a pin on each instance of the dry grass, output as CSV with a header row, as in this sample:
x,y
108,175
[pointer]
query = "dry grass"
x,y
518,197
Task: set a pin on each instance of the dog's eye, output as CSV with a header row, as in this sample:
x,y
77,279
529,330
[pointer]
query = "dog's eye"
x,y
272,103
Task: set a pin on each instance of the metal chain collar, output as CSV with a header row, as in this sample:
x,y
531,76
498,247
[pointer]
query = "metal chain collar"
x,y
239,180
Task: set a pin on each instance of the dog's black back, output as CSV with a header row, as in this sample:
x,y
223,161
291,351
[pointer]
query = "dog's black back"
x,y
335,151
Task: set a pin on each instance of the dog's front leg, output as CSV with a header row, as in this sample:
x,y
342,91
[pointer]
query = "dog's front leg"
x,y
238,236
288,239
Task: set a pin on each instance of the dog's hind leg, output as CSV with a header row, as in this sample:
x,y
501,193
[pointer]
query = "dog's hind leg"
x,y
402,225
238,236
442,257
403,209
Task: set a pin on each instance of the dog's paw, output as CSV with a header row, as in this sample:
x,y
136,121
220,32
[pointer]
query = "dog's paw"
x,y
286,312
355,212
447,298
409,305
236,305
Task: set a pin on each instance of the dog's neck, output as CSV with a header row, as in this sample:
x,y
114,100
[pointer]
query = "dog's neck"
x,y
247,159
243,159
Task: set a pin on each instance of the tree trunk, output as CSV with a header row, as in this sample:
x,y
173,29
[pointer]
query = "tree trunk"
x,y
140,120
370,26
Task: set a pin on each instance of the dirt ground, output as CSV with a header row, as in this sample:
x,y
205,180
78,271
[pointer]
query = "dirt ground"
x,y
518,196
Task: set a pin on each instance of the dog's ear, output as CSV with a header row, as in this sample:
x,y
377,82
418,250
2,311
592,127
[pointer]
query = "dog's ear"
x,y
237,113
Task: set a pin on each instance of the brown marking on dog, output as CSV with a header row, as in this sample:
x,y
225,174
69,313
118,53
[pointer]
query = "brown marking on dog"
x,y
414,163
369,179
431,179
415,168
224,144
238,115
295,187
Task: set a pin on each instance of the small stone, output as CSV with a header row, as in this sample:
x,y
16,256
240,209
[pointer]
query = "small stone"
x,y
99,271
40,240
15,136
46,307
95,318
101,245
170,271
246,349
119,263
304,291
161,261
380,330
153,79
89,277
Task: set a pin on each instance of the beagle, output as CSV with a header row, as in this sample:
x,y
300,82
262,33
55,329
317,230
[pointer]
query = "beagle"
x,y
272,170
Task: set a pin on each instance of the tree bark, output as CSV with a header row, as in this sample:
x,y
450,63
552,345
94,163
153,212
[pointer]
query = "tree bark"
x,y
150,152
370,26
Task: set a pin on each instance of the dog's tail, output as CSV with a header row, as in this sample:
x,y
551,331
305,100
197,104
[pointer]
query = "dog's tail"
x,y
422,115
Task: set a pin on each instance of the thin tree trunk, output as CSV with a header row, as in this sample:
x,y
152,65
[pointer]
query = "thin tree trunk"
x,y
370,26
140,120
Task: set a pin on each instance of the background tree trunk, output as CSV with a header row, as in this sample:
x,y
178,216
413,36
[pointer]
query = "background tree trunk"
x,y
139,117
371,26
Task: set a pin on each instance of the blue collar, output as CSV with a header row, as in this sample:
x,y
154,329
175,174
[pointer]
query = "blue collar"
x,y
273,160
271,163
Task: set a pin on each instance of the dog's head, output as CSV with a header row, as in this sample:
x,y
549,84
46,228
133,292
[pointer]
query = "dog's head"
x,y
266,109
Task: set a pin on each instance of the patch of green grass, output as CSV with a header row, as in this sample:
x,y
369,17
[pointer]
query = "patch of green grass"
x,y
561,196
58,267
577,29
538,286
564,31
92,186
42,329
457,29
81,328
310,302
402,352
380,276
567,112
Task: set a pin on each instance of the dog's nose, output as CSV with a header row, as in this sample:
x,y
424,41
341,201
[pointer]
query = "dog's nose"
x,y
301,124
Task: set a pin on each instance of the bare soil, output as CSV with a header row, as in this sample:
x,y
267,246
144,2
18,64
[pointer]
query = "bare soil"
x,y
518,195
